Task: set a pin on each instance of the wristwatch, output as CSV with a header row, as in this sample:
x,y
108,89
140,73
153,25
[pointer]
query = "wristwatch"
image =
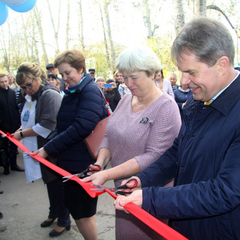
x,y
21,134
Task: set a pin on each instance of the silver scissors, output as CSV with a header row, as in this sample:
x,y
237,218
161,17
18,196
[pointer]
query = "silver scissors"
x,y
84,173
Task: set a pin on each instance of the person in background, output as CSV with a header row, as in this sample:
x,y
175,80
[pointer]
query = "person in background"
x,y
122,87
82,107
101,82
51,69
205,157
38,118
111,94
9,122
52,79
144,124
173,80
12,83
92,72
163,84
118,78
182,94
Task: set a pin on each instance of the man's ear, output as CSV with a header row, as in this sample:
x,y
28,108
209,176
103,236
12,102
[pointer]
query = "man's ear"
x,y
223,64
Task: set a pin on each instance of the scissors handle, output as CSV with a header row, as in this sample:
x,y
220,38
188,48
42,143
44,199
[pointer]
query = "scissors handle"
x,y
124,186
85,172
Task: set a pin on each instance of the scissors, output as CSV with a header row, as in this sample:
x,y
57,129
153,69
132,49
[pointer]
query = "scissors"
x,y
116,189
84,173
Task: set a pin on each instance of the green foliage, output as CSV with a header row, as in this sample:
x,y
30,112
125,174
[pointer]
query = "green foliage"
x,y
96,57
162,47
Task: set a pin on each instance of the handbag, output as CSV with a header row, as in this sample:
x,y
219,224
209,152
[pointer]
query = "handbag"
x,y
94,139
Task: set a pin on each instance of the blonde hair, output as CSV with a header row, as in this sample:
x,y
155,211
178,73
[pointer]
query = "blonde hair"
x,y
99,78
31,70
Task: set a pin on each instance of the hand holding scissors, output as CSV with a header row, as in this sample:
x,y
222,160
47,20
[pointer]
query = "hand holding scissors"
x,y
115,190
84,173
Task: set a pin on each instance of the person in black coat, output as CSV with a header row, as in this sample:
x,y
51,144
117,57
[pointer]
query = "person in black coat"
x,y
82,108
112,94
9,122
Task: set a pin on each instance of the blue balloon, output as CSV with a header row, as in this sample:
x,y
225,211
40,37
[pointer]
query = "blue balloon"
x,y
25,7
3,13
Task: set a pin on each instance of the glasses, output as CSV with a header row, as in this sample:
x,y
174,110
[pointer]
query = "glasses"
x,y
27,86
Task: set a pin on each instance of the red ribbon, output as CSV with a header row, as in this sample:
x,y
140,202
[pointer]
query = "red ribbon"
x,y
86,186
158,226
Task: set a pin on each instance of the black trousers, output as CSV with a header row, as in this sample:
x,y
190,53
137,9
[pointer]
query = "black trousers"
x,y
57,207
8,153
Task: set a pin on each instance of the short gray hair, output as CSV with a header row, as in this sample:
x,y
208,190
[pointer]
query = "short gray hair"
x,y
206,38
138,59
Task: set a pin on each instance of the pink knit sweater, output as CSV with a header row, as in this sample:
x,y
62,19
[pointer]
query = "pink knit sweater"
x,y
145,136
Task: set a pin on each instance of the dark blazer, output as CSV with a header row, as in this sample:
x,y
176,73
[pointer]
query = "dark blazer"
x,y
205,162
9,114
78,115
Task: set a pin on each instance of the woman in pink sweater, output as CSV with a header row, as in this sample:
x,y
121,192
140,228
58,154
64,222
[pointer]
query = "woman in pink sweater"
x,y
143,126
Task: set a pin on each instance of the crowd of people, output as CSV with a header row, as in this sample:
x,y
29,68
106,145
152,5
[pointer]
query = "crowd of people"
x,y
158,134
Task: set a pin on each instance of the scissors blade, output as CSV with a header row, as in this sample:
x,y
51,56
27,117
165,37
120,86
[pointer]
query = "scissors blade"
x,y
67,178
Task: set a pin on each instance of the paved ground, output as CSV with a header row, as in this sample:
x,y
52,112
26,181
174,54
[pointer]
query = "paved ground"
x,y
25,206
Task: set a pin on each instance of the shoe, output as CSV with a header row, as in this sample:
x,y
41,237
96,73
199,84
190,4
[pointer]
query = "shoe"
x,y
6,171
17,168
54,233
47,223
1,215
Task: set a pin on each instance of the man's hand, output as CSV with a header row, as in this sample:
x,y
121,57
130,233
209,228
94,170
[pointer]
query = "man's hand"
x,y
134,197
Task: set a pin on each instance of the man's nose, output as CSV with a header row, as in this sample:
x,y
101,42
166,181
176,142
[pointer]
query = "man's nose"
x,y
185,79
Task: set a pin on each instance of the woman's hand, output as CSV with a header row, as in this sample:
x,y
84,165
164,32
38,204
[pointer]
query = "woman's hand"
x,y
41,152
98,178
132,183
134,197
16,135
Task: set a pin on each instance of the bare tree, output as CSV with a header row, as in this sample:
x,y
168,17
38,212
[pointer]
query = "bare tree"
x,y
53,24
80,26
6,62
67,24
200,7
109,33
179,17
104,35
25,37
40,30
147,20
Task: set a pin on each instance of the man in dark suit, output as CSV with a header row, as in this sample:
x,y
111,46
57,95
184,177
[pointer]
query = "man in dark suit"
x,y
9,122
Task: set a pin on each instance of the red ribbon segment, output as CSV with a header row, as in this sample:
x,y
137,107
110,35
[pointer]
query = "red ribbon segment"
x,y
158,226
86,186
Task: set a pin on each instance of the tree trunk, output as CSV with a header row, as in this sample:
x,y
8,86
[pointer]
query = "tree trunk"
x,y
105,37
25,37
112,51
179,19
200,7
53,25
147,19
67,24
40,31
80,27
6,62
